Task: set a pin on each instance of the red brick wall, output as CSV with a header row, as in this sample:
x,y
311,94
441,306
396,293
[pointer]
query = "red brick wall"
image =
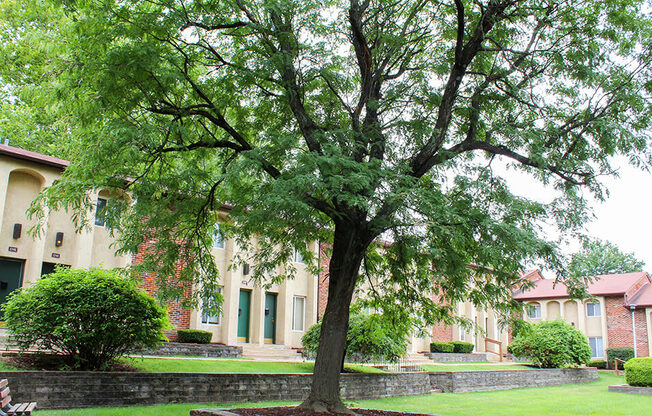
x,y
619,326
323,280
442,332
179,317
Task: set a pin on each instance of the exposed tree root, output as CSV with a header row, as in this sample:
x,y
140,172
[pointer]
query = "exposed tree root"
x,y
323,406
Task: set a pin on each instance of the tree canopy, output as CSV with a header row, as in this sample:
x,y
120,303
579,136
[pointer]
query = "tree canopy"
x,y
602,257
340,121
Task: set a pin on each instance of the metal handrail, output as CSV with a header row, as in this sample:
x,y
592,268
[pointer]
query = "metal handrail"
x,y
500,347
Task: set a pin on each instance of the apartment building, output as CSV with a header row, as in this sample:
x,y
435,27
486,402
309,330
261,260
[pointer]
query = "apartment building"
x,y
251,314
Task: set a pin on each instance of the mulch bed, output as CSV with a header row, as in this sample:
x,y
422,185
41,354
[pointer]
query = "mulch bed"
x,y
295,411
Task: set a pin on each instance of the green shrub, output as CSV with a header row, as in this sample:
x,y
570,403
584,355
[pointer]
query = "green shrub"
x,y
597,364
438,346
553,344
90,316
638,372
371,337
623,353
462,347
194,336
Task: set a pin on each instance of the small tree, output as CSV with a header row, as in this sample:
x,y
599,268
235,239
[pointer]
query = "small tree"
x,y
89,316
553,344
370,337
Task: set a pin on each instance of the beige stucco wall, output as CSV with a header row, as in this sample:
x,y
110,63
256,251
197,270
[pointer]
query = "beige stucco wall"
x,y
487,325
304,285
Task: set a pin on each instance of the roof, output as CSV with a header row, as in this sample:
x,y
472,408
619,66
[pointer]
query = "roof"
x,y
643,298
33,156
603,285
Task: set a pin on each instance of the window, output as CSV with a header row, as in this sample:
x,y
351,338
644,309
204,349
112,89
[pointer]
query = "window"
x,y
298,258
593,309
218,237
214,319
462,334
534,311
596,347
298,313
100,215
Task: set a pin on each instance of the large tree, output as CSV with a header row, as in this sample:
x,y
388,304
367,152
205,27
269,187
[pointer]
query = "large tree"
x,y
344,121
602,257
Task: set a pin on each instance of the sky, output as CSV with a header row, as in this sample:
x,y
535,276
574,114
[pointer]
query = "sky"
x,y
624,219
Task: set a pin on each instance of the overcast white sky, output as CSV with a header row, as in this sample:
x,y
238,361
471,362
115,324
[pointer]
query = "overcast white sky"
x,y
624,219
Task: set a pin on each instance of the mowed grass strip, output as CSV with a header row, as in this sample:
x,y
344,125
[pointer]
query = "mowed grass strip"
x,y
178,365
589,399
474,367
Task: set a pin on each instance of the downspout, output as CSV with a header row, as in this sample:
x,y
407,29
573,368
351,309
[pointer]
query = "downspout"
x,y
633,308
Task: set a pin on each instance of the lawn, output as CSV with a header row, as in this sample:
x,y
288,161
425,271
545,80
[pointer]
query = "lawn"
x,y
473,367
590,399
179,365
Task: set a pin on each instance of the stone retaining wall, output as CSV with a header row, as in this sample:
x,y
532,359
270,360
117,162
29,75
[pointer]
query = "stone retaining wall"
x,y
626,388
67,389
57,390
466,381
443,357
168,349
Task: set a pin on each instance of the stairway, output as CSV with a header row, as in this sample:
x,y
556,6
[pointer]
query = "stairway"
x,y
270,352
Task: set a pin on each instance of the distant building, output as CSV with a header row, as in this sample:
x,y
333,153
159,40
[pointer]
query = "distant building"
x,y
619,316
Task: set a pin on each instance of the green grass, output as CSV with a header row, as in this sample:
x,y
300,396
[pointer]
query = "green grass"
x,y
473,367
172,365
589,399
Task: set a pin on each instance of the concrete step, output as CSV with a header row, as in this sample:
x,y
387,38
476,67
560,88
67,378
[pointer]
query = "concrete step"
x,y
270,352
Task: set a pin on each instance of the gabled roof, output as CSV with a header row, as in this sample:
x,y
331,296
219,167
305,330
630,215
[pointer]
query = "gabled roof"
x,y
33,156
643,298
603,285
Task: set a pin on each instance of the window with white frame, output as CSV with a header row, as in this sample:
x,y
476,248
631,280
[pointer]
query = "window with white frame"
x,y
597,350
298,258
100,215
212,318
298,313
534,311
593,309
462,334
218,237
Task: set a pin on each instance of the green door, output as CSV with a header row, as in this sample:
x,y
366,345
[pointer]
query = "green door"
x,y
243,315
11,278
270,318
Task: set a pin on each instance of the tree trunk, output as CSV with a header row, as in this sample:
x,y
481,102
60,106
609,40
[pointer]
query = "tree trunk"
x,y
349,246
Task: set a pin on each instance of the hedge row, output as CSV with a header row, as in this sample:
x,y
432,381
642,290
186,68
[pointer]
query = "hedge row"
x,y
638,372
459,347
195,336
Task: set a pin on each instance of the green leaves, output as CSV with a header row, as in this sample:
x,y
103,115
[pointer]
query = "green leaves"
x,y
90,316
602,257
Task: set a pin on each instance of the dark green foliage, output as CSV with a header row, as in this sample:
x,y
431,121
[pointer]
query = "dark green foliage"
x,y
371,337
638,372
602,257
553,344
520,326
597,364
91,316
623,353
196,336
462,347
438,346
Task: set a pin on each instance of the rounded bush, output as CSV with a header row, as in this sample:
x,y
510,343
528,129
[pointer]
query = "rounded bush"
x,y
623,353
462,347
371,337
90,317
441,347
553,344
638,372
194,336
